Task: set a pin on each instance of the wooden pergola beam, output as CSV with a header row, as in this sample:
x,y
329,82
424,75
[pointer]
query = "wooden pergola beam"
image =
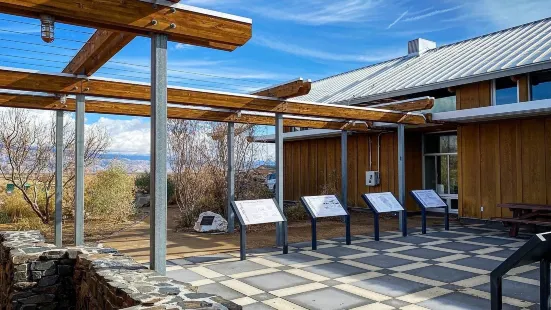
x,y
68,84
182,23
411,105
295,88
102,46
41,102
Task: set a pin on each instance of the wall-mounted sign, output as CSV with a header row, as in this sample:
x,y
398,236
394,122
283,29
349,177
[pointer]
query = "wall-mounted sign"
x,y
324,206
384,202
429,199
258,211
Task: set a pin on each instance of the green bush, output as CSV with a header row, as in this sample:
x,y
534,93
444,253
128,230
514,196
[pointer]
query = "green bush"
x,y
142,183
110,194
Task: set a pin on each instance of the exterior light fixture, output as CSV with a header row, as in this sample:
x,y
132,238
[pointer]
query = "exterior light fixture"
x,y
47,27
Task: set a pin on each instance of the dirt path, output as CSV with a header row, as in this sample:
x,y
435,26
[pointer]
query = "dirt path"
x,y
134,241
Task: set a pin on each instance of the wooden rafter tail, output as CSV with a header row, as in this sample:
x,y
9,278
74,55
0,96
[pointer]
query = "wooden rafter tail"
x,y
183,24
412,105
288,90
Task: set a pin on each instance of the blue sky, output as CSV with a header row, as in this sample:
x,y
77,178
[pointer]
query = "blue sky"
x,y
291,38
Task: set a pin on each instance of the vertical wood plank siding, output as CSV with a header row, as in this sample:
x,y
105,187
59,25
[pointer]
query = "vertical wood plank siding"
x,y
502,161
314,166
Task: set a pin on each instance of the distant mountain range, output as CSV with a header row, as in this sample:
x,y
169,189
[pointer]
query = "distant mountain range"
x,y
140,163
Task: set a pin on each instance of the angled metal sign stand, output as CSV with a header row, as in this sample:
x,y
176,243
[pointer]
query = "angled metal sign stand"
x,y
537,249
381,203
324,206
253,212
429,199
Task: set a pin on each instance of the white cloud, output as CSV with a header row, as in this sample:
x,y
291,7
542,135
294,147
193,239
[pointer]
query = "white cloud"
x,y
397,20
373,56
432,13
318,12
127,136
182,46
504,13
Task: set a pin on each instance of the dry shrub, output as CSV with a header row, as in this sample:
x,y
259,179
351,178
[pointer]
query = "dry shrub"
x,y
295,213
33,223
16,208
110,194
198,158
331,186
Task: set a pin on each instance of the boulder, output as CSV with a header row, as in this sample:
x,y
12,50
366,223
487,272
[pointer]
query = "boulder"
x,y
210,222
142,200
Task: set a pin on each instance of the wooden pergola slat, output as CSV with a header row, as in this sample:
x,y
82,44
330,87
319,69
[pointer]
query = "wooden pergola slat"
x,y
182,23
41,102
68,84
102,46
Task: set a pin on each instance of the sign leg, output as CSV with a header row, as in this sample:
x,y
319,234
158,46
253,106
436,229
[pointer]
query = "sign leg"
x,y
447,218
545,281
376,225
423,221
243,242
404,223
285,238
348,237
314,234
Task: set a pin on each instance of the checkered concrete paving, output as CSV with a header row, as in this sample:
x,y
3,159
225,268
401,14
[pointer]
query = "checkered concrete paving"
x,y
440,270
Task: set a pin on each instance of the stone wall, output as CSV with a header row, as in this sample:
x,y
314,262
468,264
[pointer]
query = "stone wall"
x,y
37,275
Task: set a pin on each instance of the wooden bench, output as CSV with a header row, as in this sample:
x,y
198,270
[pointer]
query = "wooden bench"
x,y
524,213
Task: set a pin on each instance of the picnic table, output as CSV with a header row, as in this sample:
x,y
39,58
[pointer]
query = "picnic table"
x,y
525,213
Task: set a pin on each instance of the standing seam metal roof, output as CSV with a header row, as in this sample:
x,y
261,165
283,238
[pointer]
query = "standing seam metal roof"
x,y
508,49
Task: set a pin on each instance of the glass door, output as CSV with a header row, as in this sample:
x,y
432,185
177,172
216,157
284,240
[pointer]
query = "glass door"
x,y
440,167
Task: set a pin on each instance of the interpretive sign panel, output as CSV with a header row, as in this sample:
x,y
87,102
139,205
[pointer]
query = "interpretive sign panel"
x,y
429,199
324,206
384,202
258,211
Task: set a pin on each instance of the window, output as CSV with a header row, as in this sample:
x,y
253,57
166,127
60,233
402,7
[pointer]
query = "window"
x,y
540,85
443,104
444,100
440,143
505,91
440,171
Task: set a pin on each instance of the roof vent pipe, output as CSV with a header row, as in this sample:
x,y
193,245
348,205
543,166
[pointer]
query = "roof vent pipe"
x,y
419,46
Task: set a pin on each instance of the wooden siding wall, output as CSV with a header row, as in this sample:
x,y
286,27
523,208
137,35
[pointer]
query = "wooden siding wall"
x,y
312,165
505,161
502,161
475,95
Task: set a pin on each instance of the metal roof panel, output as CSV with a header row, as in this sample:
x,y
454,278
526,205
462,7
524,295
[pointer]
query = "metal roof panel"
x,y
491,54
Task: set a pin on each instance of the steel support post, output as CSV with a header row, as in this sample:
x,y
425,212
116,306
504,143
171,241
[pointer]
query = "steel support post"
x,y
402,177
279,175
79,170
344,169
58,178
158,180
231,176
